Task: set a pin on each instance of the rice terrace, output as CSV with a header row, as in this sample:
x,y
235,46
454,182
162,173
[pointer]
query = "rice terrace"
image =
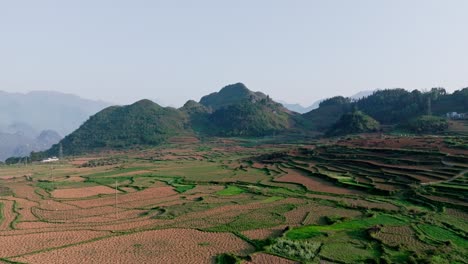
x,y
347,200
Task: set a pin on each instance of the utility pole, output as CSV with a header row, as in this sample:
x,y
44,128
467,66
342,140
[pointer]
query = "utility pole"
x,y
115,198
429,106
60,151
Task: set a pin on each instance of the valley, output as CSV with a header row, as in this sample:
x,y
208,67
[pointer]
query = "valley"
x,y
363,198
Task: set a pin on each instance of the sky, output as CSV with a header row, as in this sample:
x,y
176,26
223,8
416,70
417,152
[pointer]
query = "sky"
x,y
297,51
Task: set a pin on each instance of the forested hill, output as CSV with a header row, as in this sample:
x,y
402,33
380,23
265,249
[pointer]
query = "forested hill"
x,y
116,127
390,106
235,111
238,111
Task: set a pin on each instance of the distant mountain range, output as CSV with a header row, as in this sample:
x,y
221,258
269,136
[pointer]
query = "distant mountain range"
x,y
36,120
302,110
44,110
19,145
299,108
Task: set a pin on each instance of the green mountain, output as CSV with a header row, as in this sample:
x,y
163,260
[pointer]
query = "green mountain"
x,y
353,123
142,123
390,106
328,113
397,106
259,118
230,95
237,111
198,115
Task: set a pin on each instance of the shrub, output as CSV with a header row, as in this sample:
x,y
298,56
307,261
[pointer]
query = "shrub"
x,y
299,250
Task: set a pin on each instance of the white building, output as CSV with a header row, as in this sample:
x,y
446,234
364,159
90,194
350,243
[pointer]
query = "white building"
x,y
455,115
53,159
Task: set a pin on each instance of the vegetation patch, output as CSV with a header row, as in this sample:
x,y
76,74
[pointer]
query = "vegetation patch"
x,y
294,249
231,190
306,232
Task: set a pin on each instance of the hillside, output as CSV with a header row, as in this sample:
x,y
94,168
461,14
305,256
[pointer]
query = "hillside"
x,y
142,123
198,115
250,119
234,111
237,111
231,94
354,122
328,113
390,106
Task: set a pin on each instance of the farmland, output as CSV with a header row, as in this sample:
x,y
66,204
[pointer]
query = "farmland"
x,y
365,198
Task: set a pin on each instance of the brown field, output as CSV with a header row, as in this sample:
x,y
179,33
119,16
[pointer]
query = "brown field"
x,y
160,246
401,236
314,183
265,233
8,215
41,241
25,191
74,193
24,207
147,194
457,213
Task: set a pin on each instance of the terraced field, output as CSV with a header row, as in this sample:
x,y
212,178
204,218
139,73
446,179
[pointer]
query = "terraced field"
x,y
345,201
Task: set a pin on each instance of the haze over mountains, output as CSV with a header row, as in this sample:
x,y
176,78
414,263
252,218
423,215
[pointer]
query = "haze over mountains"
x,y
43,110
37,120
302,109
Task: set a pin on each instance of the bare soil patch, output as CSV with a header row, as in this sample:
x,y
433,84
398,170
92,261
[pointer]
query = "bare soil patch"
x,y
22,244
160,246
265,233
74,193
122,199
314,183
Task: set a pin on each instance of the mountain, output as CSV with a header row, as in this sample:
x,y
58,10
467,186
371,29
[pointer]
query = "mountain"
x,y
19,144
43,110
142,123
299,108
361,94
328,113
22,129
46,139
238,111
250,119
231,94
354,122
390,106
302,110
198,115
233,111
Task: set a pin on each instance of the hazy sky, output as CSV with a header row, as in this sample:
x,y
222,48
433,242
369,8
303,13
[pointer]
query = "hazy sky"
x,y
298,51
